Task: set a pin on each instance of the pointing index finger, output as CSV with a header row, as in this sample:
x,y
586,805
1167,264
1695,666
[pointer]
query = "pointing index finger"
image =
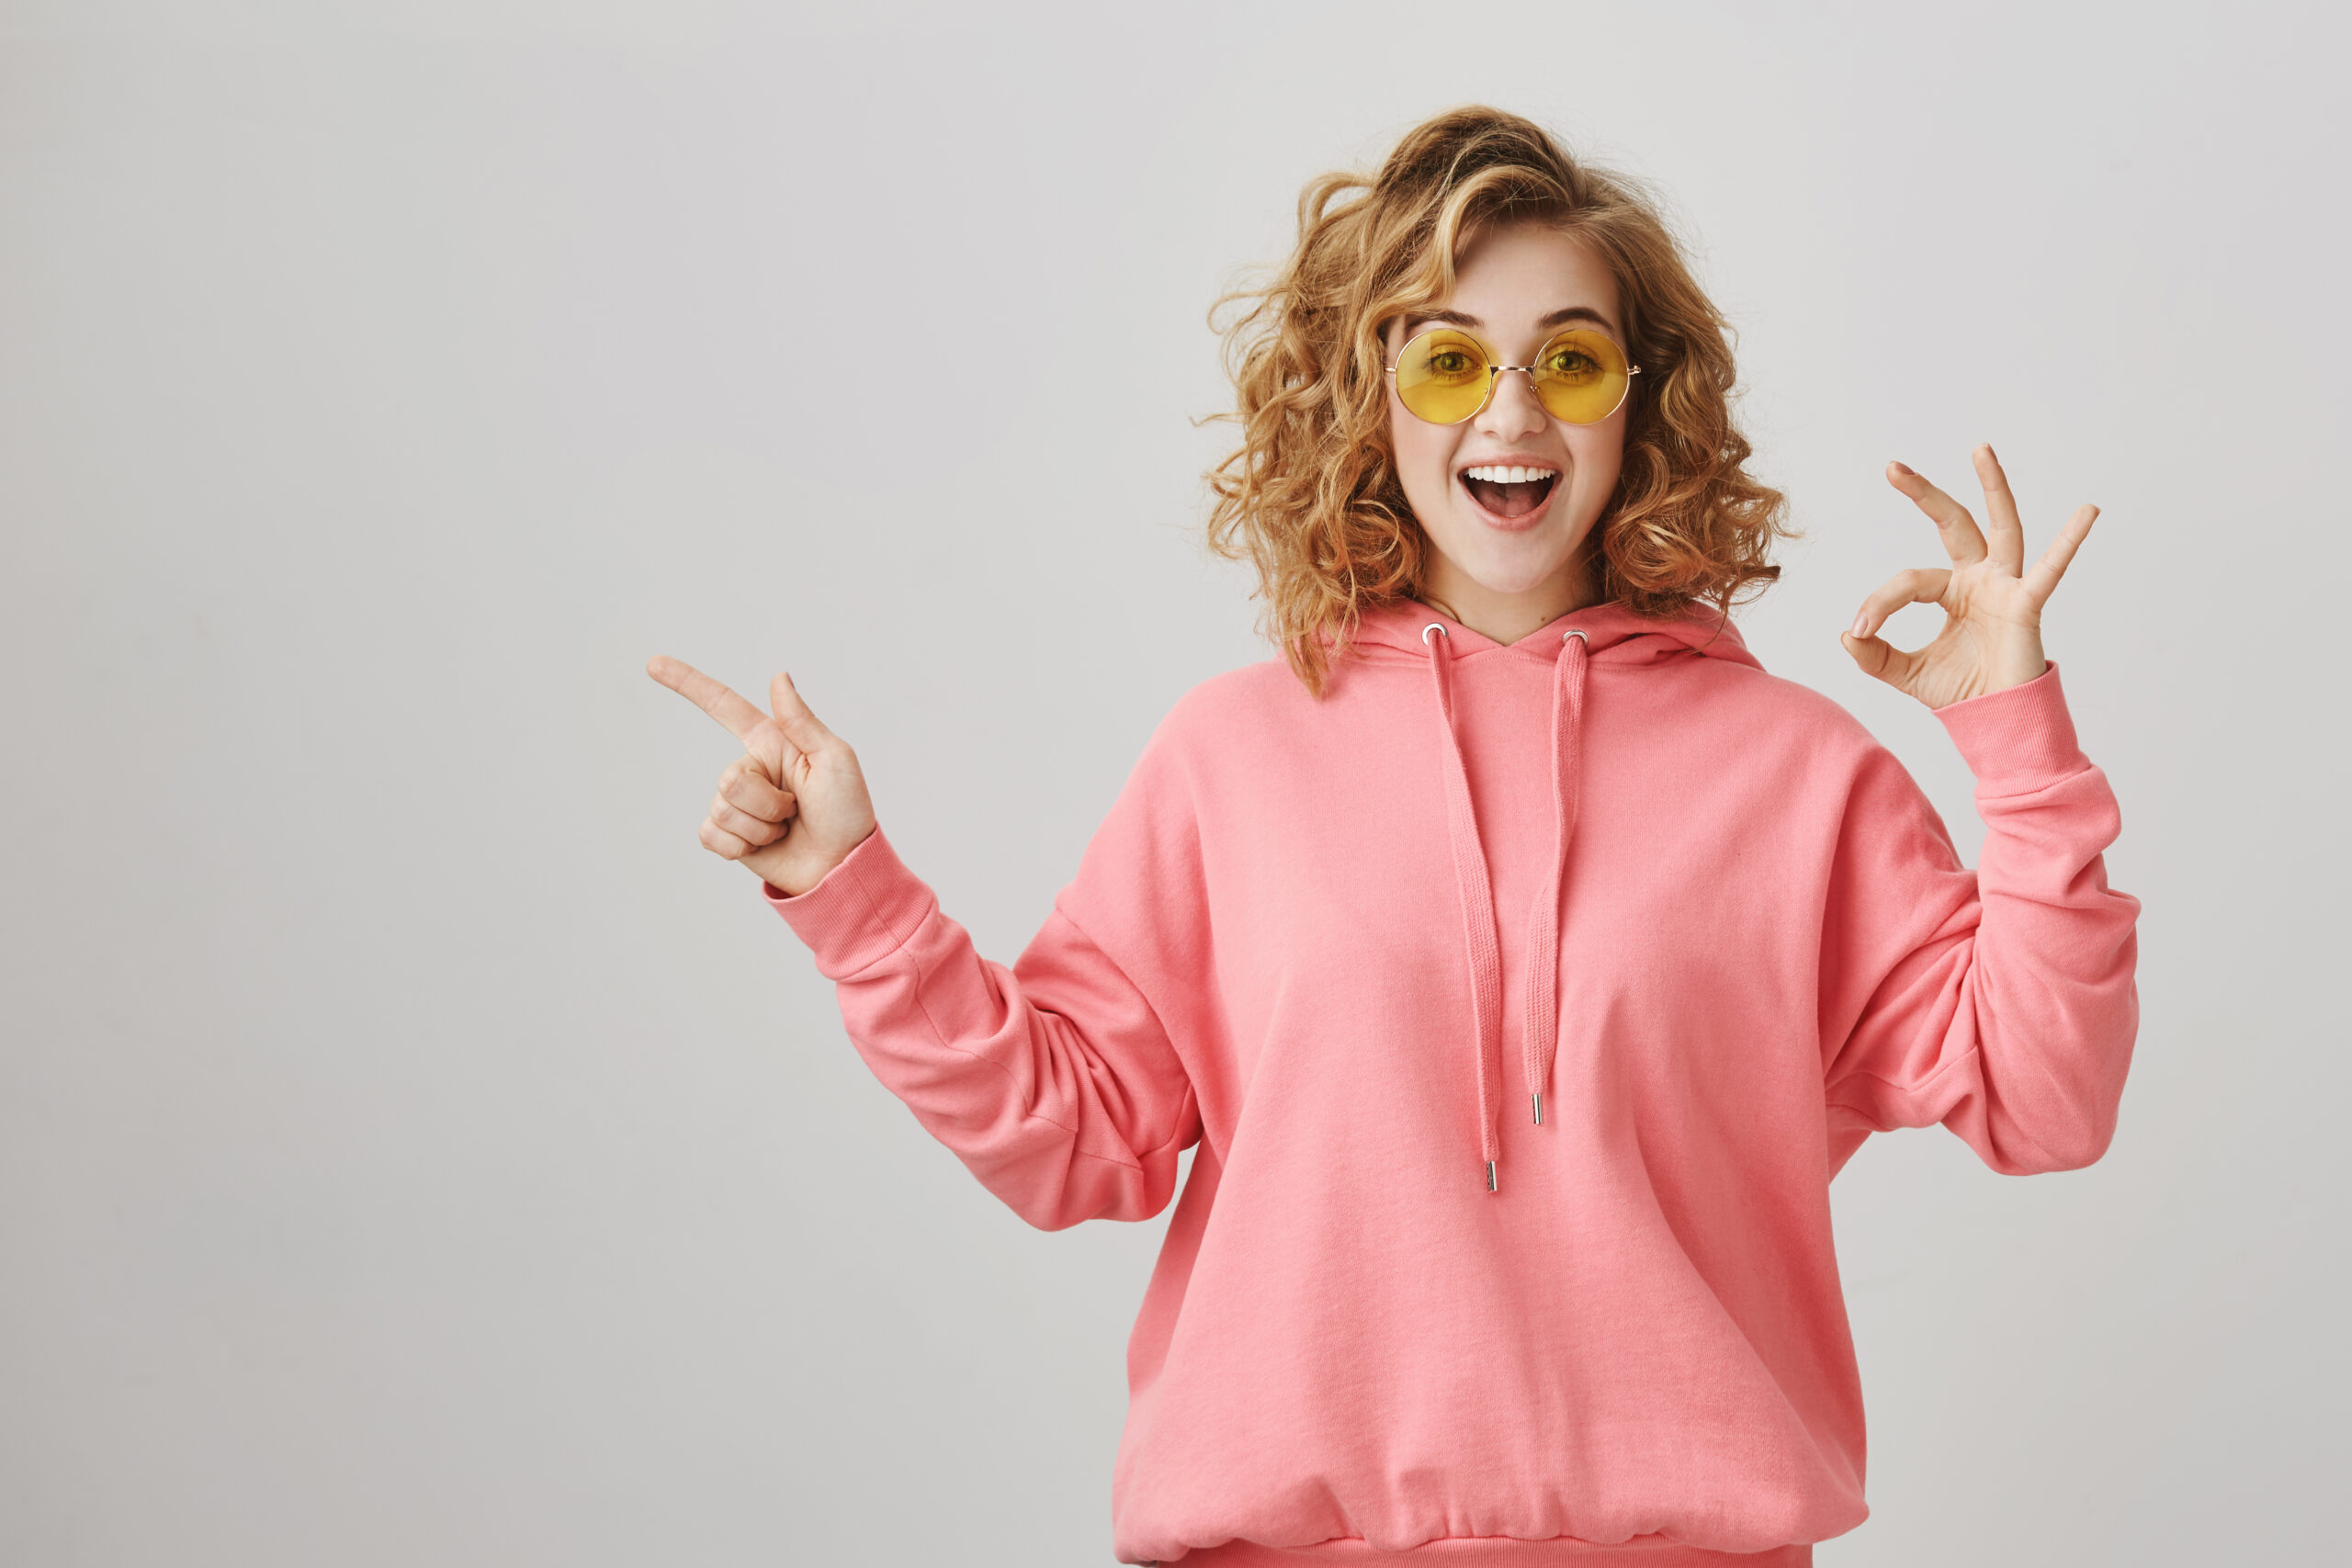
x,y
714,698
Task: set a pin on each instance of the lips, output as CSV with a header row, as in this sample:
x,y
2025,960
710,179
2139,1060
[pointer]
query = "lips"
x,y
1508,490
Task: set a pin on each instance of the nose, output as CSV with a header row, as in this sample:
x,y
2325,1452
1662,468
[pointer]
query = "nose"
x,y
1513,411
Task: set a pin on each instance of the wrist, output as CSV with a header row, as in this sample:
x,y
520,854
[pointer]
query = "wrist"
x,y
799,881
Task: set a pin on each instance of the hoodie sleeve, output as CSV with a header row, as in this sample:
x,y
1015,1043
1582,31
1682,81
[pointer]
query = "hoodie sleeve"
x,y
2000,1002
1054,1080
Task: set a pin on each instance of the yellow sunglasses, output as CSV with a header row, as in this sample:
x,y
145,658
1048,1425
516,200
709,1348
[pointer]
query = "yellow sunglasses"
x,y
1445,375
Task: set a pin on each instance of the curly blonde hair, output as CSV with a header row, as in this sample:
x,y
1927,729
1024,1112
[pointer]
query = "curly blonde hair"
x,y
1311,497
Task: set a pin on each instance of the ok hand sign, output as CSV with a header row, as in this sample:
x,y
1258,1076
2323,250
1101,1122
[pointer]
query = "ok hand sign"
x,y
1992,632
794,805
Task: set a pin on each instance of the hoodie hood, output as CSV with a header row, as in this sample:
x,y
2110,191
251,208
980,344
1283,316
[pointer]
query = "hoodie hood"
x,y
1613,634
1407,631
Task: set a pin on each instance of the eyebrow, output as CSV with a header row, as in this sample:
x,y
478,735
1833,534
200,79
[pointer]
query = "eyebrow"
x,y
1556,319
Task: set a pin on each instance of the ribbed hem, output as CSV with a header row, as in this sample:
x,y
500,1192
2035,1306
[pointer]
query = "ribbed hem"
x,y
860,912
2019,738
1491,1552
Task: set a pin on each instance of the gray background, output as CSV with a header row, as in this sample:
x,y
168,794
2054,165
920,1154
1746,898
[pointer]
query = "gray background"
x,y
415,1148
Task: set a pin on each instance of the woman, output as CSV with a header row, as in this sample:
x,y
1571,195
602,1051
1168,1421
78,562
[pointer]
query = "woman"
x,y
1523,958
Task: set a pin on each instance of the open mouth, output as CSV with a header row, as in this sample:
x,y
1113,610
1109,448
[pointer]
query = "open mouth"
x,y
1509,492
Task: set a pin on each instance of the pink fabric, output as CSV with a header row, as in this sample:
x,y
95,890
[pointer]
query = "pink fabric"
x,y
1493,1552
1631,1343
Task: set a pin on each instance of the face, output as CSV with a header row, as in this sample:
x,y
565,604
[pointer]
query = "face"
x,y
1508,540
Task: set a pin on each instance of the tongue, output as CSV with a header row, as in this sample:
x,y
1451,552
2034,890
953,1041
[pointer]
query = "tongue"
x,y
1510,500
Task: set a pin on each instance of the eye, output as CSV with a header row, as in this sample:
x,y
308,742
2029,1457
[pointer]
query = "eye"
x,y
1580,359
1448,358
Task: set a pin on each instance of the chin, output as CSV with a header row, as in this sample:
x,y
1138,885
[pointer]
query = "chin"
x,y
1519,570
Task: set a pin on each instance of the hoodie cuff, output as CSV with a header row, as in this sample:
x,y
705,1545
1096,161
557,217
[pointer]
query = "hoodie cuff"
x,y
860,912
2018,739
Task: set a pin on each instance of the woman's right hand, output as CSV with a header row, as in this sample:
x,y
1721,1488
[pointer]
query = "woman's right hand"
x,y
794,805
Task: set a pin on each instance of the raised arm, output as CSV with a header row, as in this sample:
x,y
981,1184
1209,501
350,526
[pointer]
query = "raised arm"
x,y
1056,1079
2002,1001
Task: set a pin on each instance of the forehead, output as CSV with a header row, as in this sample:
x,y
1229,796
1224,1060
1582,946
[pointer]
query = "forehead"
x,y
1511,280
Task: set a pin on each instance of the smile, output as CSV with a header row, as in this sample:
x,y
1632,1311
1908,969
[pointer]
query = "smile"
x,y
1509,493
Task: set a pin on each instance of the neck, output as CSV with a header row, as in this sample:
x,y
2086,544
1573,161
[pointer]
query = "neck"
x,y
1507,618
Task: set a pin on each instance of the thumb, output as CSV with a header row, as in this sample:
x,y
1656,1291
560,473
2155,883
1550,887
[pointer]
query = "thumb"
x,y
1880,658
800,725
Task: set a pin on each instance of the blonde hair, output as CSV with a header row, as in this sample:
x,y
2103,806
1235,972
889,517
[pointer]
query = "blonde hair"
x,y
1311,497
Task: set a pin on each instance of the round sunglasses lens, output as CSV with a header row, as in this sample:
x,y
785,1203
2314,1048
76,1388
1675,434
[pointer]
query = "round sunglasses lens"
x,y
1581,378
1441,376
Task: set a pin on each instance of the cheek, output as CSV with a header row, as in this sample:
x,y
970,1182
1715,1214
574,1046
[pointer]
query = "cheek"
x,y
1424,451
1598,451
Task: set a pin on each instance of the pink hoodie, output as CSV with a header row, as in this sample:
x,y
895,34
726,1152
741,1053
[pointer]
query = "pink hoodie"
x,y
1522,1001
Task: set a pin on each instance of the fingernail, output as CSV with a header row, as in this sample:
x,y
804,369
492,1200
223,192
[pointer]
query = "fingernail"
x,y
1905,471
1861,621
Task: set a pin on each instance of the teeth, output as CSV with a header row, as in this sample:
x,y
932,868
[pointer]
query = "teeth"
x,y
1496,473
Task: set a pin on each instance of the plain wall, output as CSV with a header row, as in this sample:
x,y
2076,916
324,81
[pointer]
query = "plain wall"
x,y
415,1148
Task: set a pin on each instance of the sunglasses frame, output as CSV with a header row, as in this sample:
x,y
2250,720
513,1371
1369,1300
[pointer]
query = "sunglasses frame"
x,y
1494,374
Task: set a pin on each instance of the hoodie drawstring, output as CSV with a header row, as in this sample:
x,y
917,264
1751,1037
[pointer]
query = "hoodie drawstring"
x,y
1478,901
1542,1037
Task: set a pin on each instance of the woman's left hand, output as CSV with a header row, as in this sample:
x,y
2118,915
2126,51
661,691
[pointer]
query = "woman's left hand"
x,y
1992,632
